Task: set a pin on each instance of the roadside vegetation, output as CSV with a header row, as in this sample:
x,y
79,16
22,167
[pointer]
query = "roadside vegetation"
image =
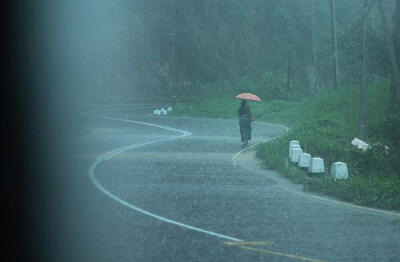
x,y
323,68
325,125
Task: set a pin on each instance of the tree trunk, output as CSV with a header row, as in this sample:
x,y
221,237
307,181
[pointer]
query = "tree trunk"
x,y
315,76
396,46
231,46
334,39
363,87
392,55
396,32
289,71
392,92
175,70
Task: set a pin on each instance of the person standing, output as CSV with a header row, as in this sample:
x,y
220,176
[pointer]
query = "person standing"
x,y
245,119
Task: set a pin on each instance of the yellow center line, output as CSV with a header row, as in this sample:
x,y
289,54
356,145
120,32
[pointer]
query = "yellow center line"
x,y
249,243
386,212
281,254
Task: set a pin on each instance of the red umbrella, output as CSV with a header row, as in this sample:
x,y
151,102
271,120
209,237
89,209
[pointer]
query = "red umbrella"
x,y
248,96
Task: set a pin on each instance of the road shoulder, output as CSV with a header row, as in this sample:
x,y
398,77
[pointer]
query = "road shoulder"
x,y
247,160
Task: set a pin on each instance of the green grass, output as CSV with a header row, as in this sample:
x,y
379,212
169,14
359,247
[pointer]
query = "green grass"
x,y
325,126
278,111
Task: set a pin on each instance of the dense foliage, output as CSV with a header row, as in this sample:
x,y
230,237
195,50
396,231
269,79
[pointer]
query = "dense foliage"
x,y
159,49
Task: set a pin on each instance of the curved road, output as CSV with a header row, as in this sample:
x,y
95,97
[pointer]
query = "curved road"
x,y
176,189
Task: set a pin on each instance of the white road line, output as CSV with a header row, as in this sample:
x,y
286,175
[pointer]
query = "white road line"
x,y
110,154
118,109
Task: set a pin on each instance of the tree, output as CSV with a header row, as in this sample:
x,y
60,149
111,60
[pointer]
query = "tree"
x,y
245,43
288,76
315,76
363,87
396,46
334,44
390,49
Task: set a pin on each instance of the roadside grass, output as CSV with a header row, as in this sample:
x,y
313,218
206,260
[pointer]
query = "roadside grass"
x,y
325,125
278,111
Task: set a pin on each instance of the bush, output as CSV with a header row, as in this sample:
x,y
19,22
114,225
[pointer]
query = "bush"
x,y
374,192
326,131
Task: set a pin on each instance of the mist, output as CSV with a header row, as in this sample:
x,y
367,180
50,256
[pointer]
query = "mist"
x,y
86,78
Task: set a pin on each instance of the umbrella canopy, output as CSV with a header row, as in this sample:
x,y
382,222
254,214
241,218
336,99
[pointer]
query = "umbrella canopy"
x,y
248,96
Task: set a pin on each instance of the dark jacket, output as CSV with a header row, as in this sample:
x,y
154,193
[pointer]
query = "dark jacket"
x,y
244,114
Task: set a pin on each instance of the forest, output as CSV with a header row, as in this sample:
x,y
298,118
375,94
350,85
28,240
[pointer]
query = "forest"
x,y
279,49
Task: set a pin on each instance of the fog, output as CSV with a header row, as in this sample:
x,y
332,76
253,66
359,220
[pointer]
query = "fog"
x,y
333,63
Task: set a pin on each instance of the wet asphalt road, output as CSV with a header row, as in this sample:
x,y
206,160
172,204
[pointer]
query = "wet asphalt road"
x,y
192,180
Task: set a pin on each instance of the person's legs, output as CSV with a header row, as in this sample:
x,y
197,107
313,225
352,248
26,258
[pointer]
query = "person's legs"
x,y
241,131
245,133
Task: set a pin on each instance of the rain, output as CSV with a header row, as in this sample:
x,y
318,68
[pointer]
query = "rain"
x,y
202,130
